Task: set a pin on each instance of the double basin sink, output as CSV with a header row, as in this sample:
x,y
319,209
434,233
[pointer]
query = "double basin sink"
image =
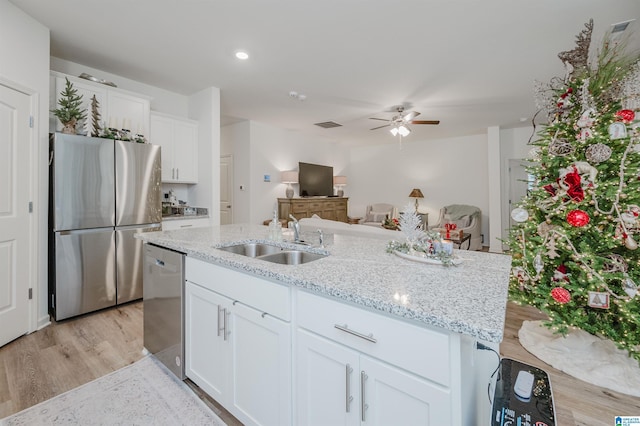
x,y
273,254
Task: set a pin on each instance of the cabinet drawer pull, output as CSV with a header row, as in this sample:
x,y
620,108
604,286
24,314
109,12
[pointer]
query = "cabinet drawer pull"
x,y
226,315
346,329
348,397
363,405
219,329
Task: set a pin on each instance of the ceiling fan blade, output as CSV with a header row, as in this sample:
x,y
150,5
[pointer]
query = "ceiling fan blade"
x,y
410,116
381,119
380,127
425,122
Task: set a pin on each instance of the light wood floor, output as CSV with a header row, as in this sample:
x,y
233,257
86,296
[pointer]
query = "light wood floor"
x,y
68,354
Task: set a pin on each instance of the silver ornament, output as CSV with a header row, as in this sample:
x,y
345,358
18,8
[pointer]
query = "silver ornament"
x,y
597,153
560,148
629,287
630,243
519,214
537,263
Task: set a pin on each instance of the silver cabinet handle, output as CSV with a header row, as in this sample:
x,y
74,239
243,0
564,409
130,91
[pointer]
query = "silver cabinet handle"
x,y
345,328
348,398
219,329
173,173
226,332
177,173
186,226
363,406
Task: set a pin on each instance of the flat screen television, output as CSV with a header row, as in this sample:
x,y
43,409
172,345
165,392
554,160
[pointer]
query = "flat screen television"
x,y
315,180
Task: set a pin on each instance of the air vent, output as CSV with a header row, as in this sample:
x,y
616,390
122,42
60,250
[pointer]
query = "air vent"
x,y
328,124
620,27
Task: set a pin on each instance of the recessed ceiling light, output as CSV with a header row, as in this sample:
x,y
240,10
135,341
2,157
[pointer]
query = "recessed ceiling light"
x,y
242,55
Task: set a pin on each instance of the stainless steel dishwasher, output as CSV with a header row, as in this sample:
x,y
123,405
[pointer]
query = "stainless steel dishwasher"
x,y
163,302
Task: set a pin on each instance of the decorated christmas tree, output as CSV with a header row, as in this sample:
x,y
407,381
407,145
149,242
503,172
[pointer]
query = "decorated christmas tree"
x,y
575,244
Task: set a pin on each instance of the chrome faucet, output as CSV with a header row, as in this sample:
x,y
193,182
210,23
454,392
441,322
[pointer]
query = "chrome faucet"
x,y
321,238
296,229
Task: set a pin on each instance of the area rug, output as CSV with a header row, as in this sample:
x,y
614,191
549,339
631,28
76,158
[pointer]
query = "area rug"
x,y
583,356
143,393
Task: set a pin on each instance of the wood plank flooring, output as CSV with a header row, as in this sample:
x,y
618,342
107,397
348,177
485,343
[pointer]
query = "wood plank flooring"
x,y
70,353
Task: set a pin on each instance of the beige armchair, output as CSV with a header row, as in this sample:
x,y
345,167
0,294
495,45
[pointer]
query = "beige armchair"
x,y
467,218
375,214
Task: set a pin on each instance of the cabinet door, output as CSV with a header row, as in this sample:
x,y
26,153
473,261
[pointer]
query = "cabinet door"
x,y
87,90
327,382
185,151
261,368
392,396
128,110
161,133
207,349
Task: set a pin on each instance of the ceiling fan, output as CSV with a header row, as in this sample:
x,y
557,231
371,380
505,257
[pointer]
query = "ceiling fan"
x,y
399,122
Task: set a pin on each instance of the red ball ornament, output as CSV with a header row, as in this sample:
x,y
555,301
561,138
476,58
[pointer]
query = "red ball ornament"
x,y
626,115
578,218
561,295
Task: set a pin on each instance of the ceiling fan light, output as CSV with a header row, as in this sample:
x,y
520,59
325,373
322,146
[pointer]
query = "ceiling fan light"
x,y
394,131
403,130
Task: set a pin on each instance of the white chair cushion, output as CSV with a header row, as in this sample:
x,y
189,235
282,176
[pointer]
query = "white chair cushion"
x,y
376,216
463,222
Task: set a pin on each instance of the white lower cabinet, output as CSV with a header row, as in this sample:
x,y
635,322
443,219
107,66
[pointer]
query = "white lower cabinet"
x,y
340,386
239,355
196,222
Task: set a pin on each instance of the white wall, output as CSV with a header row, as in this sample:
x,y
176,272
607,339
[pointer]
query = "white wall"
x,y
447,171
24,61
259,149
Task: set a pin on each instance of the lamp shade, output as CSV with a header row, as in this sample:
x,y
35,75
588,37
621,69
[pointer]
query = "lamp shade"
x,y
290,176
339,180
416,193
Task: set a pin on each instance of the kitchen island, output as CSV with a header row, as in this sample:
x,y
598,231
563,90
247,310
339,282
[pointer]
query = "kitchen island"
x,y
401,334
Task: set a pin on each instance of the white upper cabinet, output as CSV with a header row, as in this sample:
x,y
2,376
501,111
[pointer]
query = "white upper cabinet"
x,y
178,138
118,108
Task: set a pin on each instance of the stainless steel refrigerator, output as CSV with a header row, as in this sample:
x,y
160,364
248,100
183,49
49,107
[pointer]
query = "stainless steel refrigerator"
x,y
101,193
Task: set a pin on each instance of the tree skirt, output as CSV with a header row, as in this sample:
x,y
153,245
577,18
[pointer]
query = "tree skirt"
x,y
143,393
584,356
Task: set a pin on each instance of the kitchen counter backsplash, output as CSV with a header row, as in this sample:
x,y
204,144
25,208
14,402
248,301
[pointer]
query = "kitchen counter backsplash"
x,y
183,210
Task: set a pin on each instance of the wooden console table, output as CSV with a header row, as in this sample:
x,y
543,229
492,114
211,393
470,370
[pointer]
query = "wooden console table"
x,y
332,208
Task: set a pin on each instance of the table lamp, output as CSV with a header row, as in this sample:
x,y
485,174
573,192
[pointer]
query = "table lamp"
x,y
340,182
289,177
416,193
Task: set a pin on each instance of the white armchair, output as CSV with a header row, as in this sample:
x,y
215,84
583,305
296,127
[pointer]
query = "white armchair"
x,y
375,214
467,218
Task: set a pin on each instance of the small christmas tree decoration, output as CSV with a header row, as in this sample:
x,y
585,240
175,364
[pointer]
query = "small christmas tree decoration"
x,y
70,111
96,129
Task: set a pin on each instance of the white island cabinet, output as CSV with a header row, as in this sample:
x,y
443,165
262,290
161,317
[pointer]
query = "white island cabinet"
x,y
340,381
360,336
238,342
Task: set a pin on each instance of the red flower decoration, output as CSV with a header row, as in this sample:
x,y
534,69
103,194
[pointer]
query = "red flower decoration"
x,y
575,188
552,190
578,218
625,115
561,295
562,269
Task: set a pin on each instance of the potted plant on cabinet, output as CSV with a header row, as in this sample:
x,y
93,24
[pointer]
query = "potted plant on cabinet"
x,y
69,111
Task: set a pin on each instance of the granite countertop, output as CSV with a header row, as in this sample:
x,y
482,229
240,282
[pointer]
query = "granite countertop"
x,y
469,298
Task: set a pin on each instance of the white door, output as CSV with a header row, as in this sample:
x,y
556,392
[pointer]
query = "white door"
x,y
391,396
207,349
261,367
327,384
226,189
15,237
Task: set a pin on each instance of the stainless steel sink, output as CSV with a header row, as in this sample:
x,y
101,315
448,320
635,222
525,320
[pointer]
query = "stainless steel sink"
x,y
251,249
273,254
292,257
